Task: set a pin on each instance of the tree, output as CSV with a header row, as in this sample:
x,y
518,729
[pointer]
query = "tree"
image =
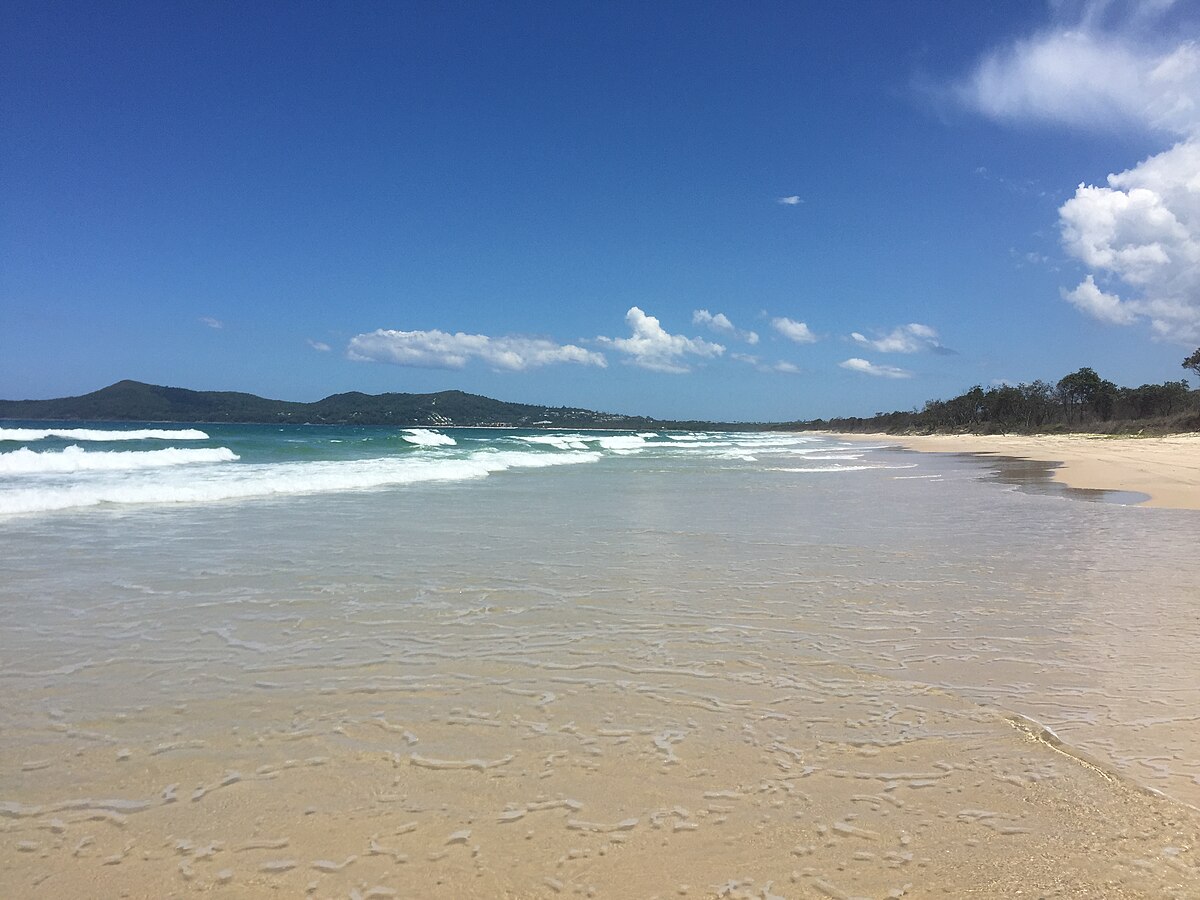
x,y
1104,400
1193,362
1039,403
1078,390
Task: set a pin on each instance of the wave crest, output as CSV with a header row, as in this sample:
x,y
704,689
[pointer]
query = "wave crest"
x,y
76,459
424,437
268,480
93,434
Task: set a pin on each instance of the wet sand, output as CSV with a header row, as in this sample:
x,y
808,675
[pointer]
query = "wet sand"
x,y
1167,469
781,686
591,779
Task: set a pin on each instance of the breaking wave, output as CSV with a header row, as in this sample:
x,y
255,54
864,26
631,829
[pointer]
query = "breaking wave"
x,y
211,484
76,459
557,441
423,437
280,460
91,434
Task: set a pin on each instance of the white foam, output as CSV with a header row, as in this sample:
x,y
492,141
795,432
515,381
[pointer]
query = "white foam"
x,y
719,445
75,459
90,434
220,483
839,468
616,443
423,437
622,443
557,441
749,442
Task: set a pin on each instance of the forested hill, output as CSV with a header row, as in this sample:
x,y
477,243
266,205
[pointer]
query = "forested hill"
x,y
135,401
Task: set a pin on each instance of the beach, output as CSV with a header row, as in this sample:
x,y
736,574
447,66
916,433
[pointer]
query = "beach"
x,y
1167,468
605,665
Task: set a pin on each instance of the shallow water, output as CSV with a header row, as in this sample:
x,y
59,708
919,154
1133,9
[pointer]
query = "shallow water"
x,y
657,674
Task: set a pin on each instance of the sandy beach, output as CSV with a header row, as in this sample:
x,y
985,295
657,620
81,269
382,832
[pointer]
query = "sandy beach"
x,y
726,666
1166,468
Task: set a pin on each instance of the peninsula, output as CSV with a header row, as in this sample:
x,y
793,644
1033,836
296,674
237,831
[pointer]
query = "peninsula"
x,y
134,401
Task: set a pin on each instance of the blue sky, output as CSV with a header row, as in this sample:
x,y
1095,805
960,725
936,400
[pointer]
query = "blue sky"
x,y
753,211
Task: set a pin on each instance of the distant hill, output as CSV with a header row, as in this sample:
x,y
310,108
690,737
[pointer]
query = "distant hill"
x,y
135,401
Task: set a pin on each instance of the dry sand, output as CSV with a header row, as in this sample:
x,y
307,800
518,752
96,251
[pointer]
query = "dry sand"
x,y
1165,468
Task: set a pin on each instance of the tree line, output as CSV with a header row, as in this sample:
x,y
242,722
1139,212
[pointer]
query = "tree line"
x,y
1080,401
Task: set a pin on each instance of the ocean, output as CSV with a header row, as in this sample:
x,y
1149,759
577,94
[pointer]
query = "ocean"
x,y
369,662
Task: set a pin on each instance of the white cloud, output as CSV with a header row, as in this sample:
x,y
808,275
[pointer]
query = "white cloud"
x,y
1099,305
1135,66
320,346
793,330
1142,231
211,322
911,338
793,200
440,350
719,322
1093,74
652,347
870,368
750,359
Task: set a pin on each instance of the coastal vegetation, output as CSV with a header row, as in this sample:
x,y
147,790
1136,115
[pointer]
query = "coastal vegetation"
x,y
1080,401
1193,362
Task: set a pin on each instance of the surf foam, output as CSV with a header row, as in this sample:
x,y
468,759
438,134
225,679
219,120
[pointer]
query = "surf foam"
x,y
424,437
206,485
76,459
92,434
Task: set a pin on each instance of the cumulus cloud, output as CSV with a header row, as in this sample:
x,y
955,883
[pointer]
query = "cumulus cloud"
x,y
793,330
650,346
1099,305
211,322
720,323
911,338
320,346
869,368
1141,231
1097,72
793,200
440,350
1133,66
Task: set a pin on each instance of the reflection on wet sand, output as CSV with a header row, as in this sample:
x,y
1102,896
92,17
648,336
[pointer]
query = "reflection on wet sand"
x,y
1037,477
761,690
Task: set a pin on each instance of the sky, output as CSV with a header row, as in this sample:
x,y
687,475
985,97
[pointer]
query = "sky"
x,y
738,211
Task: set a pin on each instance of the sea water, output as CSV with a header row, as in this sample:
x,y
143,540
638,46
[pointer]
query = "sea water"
x,y
362,662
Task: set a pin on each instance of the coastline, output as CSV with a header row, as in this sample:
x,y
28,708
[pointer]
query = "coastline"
x,y
554,685
1166,468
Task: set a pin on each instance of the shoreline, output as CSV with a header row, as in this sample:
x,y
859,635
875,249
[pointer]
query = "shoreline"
x,y
1165,468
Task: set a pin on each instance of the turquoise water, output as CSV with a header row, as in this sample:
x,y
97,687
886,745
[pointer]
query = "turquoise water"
x,y
48,467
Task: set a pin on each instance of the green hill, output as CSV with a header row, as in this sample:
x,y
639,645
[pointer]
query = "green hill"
x,y
135,401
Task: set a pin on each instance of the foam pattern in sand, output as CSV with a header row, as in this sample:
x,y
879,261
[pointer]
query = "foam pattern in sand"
x,y
754,692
